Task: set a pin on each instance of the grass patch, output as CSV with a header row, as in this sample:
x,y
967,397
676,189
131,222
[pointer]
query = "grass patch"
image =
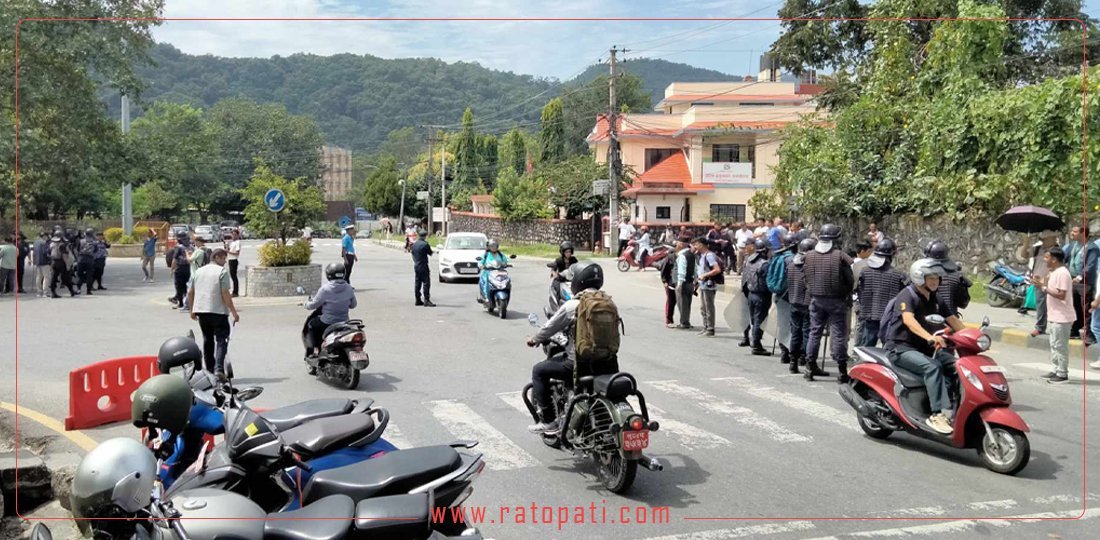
x,y
978,292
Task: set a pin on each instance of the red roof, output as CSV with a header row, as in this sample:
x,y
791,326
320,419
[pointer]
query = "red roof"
x,y
670,176
599,133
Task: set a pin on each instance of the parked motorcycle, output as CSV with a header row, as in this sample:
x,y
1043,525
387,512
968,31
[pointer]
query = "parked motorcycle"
x,y
888,398
599,422
628,259
495,288
342,356
1007,286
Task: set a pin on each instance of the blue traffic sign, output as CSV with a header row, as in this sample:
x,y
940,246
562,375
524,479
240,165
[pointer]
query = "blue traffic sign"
x,y
345,221
275,200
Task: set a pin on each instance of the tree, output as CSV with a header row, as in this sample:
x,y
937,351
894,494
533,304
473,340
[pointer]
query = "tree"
x,y
488,158
305,203
552,133
151,199
513,151
466,154
179,150
581,103
570,185
404,145
381,192
520,197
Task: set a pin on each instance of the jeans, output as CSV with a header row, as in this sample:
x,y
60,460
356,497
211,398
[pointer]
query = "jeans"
x,y
1059,347
1081,298
759,303
868,336
834,313
316,333
7,280
622,246
933,370
707,308
541,374
670,304
685,291
349,263
233,265
85,273
43,274
147,265
423,284
1041,312
215,341
1094,325
800,329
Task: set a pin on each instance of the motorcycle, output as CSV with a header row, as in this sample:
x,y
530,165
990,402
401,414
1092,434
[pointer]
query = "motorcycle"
x,y
342,356
888,398
599,422
560,293
1007,286
495,288
628,260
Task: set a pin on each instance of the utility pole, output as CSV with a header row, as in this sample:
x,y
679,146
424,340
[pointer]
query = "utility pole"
x,y
443,180
127,188
614,161
431,156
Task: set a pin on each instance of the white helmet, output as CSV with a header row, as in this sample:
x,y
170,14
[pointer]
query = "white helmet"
x,y
923,268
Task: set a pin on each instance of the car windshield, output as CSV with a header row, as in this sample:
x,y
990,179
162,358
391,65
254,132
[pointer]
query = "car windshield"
x,y
465,242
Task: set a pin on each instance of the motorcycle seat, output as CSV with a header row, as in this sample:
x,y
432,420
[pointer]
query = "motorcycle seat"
x,y
611,387
397,517
908,378
326,434
291,416
392,473
325,519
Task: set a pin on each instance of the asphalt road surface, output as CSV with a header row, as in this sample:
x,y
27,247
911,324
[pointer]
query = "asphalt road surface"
x,y
739,437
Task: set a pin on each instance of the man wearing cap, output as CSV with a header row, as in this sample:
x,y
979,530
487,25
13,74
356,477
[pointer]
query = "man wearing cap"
x,y
878,283
420,253
830,283
347,251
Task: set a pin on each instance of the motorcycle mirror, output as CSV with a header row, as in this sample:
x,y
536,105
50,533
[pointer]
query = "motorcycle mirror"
x,y
191,334
249,393
478,259
512,256
935,319
985,322
533,319
301,290
41,532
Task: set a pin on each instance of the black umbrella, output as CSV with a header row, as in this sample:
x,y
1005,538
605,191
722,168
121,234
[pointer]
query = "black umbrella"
x,y
1030,219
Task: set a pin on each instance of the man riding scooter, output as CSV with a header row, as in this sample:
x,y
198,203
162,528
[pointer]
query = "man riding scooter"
x,y
334,299
643,248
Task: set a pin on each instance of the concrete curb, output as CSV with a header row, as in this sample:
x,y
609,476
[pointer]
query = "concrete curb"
x,y
1021,338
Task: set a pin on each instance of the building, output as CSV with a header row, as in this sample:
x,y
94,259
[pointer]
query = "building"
x,y
708,147
483,204
336,182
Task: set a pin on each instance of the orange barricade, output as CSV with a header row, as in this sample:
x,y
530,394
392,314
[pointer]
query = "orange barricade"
x,y
103,392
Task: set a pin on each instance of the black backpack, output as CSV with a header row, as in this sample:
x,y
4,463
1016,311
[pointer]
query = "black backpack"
x,y
891,316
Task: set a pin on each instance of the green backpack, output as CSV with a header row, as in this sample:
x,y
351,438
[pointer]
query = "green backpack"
x,y
597,328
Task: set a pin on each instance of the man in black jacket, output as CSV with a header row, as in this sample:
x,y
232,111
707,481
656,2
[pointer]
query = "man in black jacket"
x,y
799,297
755,288
829,279
420,253
879,283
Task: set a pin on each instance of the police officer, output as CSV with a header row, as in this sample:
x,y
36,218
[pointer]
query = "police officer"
x,y
755,286
85,262
954,291
420,253
782,294
830,282
799,297
878,283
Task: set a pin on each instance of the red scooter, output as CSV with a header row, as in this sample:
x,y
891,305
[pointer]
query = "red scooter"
x,y
627,260
887,399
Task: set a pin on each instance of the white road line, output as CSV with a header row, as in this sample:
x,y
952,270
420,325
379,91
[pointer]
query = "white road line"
x,y
993,505
394,435
950,527
715,405
516,401
823,412
689,436
1036,366
927,511
1057,499
500,452
751,531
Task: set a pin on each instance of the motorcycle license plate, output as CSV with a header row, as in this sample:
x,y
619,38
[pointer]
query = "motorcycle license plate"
x,y
635,440
358,356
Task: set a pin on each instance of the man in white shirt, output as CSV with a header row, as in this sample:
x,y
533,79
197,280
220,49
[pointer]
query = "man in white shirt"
x,y
743,236
211,305
626,232
234,250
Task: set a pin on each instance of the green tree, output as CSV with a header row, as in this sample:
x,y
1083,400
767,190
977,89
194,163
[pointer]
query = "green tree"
x,y
467,154
488,159
520,197
152,200
581,103
570,185
552,133
404,145
305,203
513,151
177,147
382,190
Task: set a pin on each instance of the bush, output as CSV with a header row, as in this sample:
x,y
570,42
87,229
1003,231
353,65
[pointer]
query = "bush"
x,y
127,239
113,234
275,253
140,232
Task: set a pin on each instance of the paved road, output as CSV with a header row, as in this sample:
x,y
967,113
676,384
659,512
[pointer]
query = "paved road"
x,y
740,438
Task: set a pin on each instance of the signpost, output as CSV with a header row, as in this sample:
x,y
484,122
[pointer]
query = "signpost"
x,y
275,200
601,187
421,195
727,173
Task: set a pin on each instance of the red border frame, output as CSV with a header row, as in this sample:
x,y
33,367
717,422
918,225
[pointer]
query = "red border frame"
x,y
695,19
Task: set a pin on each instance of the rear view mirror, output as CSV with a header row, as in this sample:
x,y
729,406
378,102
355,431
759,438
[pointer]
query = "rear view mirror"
x,y
301,290
478,259
513,256
191,334
533,319
249,393
935,319
985,322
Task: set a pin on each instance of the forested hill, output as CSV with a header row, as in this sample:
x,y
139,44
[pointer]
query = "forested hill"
x,y
358,99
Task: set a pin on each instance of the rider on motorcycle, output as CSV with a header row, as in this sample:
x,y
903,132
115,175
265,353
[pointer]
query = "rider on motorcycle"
x,y
585,278
911,343
492,259
643,247
335,298
561,264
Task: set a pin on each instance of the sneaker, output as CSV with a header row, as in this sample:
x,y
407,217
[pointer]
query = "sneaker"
x,y
545,427
1036,333
428,303
685,327
1058,379
703,333
1049,375
670,325
939,423
706,334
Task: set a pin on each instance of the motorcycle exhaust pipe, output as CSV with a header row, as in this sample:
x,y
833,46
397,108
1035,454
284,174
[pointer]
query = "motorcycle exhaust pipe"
x,y
650,463
858,403
1001,291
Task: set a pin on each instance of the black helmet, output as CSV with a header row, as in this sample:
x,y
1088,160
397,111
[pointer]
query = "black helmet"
x,y
806,245
790,239
89,231
936,249
334,271
585,275
829,232
178,351
761,245
886,248
162,402
567,245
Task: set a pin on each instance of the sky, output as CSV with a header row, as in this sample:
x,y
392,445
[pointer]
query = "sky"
x,y
552,49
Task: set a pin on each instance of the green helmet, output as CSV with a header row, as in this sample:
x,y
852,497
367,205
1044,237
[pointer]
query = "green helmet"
x,y
162,402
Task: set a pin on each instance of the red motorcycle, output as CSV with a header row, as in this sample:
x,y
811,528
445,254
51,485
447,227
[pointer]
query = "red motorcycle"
x,y
656,254
888,398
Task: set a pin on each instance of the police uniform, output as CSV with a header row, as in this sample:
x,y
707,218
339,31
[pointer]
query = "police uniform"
x,y
830,283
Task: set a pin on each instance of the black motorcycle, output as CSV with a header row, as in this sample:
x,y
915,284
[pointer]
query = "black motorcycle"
x,y
342,356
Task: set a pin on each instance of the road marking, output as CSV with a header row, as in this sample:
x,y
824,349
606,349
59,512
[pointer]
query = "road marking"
x,y
516,401
500,452
78,437
809,406
959,526
689,436
926,511
743,415
396,437
1057,499
742,532
1073,373
993,505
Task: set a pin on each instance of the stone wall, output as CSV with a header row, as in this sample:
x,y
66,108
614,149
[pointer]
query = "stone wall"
x,y
536,231
125,250
264,281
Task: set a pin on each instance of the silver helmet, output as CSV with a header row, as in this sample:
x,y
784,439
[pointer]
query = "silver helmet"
x,y
114,480
924,268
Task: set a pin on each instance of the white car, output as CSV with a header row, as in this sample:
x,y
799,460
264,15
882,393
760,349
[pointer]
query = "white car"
x,y
208,233
458,257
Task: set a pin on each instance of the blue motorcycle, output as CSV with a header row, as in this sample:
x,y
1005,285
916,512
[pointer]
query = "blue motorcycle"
x,y
495,286
1008,286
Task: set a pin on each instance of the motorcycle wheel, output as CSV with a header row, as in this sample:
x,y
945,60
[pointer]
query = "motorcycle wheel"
x,y
504,309
623,266
551,440
997,299
871,428
351,382
1013,452
616,474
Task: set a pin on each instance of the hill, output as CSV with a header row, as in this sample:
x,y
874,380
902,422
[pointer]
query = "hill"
x,y
658,74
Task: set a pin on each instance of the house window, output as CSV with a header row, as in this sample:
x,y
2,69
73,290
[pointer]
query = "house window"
x,y
664,212
725,153
654,156
727,213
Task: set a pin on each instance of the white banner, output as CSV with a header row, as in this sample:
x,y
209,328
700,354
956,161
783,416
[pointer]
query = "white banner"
x,y
437,215
727,173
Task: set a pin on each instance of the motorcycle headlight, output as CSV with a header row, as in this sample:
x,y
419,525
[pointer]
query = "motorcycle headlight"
x,y
984,342
972,378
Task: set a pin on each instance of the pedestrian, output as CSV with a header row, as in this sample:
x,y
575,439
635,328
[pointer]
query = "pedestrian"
x,y
874,236
1082,267
181,270
754,285
668,237
799,297
668,282
149,255
410,237
22,251
234,251
706,271
954,291
60,261
829,280
799,232
8,255
1060,313
761,230
626,232
100,265
1037,255
685,280
743,236
347,252
211,304
421,250
877,284
85,261
776,234
43,271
